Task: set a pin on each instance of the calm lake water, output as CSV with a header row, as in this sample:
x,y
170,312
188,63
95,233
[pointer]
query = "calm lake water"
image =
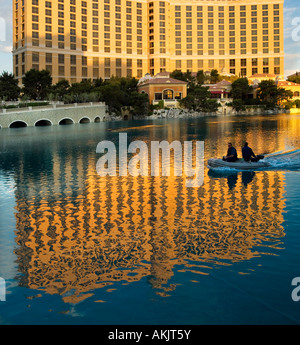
x,y
77,248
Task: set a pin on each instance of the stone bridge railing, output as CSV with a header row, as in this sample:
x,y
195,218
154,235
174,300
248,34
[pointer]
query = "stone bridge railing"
x,y
53,115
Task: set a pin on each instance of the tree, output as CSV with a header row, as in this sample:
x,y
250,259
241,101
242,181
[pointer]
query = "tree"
x,y
177,74
237,104
60,89
113,97
199,99
37,83
201,77
214,76
190,79
210,105
9,89
139,102
186,76
240,89
83,86
271,95
295,78
267,92
283,95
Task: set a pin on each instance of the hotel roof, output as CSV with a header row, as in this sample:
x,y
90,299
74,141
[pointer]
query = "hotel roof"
x,y
266,75
161,80
286,83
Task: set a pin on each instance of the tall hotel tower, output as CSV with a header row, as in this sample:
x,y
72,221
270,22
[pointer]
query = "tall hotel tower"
x,y
76,39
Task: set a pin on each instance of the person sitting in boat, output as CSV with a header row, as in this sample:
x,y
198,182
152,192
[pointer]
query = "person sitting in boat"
x,y
231,154
248,153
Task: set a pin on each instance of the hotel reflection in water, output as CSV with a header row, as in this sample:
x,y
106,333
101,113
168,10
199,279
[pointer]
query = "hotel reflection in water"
x,y
83,232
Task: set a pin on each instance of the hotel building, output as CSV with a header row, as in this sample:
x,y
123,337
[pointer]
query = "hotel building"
x,y
76,39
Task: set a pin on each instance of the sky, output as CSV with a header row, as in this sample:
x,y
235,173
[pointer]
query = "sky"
x,y
291,36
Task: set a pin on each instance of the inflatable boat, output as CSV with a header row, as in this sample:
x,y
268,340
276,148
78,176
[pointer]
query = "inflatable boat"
x,y
239,164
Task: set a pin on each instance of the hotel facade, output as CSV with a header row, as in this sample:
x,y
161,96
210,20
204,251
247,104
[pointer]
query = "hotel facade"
x,y
77,40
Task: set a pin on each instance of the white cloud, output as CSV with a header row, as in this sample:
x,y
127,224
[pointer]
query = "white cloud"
x,y
292,63
6,49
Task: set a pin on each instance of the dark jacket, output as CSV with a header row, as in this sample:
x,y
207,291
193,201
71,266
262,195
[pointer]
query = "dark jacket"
x,y
232,151
247,153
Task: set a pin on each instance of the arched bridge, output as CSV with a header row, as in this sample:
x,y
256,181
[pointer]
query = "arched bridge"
x,y
53,115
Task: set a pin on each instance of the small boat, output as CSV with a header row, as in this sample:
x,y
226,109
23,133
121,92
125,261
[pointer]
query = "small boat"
x,y
239,164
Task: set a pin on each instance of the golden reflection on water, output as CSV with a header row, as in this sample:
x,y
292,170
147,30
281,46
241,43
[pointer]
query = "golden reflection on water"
x,y
79,232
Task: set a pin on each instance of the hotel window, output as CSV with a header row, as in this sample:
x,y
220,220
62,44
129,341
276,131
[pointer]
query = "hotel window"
x,y
221,64
254,71
84,60
84,71
276,70
232,62
61,70
35,57
266,70
189,64
73,59
243,62
61,59
73,71
243,72
211,63
265,61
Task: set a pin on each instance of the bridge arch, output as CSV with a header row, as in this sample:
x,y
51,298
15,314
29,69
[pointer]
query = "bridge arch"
x,y
97,119
43,122
66,121
18,124
85,120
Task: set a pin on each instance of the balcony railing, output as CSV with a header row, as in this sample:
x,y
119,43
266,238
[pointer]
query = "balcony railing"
x,y
169,103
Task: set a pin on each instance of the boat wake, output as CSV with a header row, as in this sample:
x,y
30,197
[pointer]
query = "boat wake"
x,y
289,160
284,160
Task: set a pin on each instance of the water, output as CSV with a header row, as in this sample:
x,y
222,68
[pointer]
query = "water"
x,y
76,248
